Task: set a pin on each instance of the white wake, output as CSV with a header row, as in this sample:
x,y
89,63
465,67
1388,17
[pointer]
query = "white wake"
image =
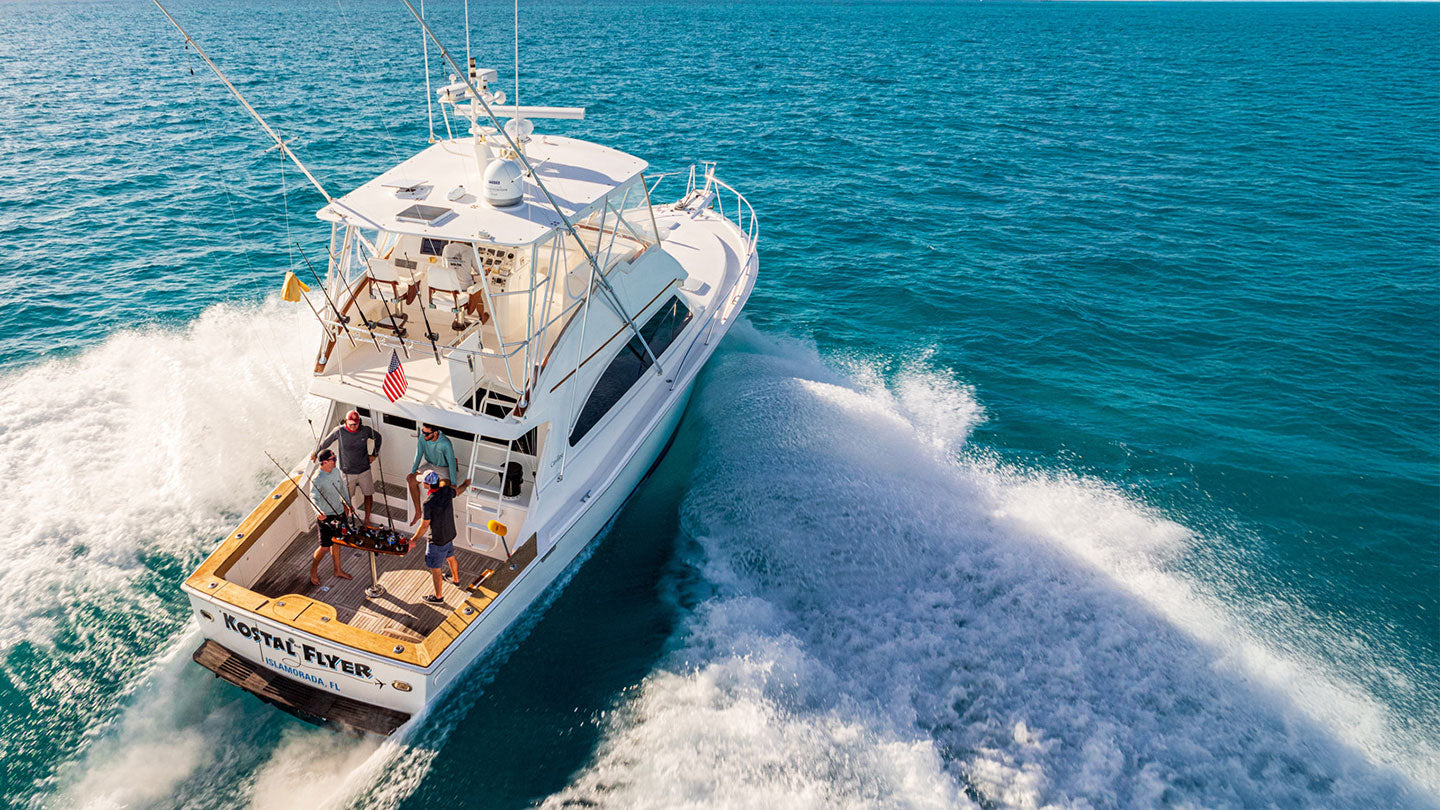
x,y
896,620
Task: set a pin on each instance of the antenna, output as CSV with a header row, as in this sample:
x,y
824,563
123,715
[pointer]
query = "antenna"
x,y
611,297
425,48
517,69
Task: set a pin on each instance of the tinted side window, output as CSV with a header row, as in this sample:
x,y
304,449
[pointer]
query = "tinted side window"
x,y
631,364
399,421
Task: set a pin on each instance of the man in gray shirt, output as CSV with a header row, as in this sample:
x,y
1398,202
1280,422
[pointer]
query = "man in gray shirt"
x,y
355,456
328,494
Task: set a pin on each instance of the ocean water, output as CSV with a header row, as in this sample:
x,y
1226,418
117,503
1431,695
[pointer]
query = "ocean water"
x,y
1079,448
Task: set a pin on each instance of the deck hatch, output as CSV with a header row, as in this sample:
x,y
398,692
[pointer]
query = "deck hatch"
x,y
431,215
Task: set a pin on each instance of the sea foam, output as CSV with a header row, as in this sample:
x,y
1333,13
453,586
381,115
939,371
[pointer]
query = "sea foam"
x,y
895,619
886,616
148,444
125,464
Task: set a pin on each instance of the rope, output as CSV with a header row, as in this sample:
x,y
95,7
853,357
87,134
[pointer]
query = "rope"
x,y
370,81
467,34
297,393
285,204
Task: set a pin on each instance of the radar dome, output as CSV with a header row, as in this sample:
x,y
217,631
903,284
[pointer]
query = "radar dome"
x,y
519,129
504,184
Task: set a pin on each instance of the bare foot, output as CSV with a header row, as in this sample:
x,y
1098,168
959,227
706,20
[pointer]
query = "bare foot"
x,y
314,580
342,575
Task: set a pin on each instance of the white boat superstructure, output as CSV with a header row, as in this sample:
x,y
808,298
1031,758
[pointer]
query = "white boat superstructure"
x,y
550,320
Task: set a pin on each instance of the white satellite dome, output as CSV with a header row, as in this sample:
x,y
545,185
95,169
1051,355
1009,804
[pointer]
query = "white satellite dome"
x,y
519,129
504,184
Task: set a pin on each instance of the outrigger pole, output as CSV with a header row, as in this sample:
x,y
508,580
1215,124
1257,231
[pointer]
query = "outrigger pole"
x,y
464,75
279,143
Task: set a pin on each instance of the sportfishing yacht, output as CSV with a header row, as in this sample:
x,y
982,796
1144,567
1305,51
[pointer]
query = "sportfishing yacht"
x,y
545,315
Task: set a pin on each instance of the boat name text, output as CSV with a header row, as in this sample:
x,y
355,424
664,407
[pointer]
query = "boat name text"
x,y
310,654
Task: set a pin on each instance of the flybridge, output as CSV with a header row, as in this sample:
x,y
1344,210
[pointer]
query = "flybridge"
x,y
460,188
446,181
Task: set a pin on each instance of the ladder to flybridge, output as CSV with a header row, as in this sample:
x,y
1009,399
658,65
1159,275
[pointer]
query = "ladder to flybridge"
x,y
484,498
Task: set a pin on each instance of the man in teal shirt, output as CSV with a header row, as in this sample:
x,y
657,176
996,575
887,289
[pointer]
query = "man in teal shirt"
x,y
433,451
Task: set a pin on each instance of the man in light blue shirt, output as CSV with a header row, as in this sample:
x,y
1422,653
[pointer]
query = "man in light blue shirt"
x,y
332,502
433,451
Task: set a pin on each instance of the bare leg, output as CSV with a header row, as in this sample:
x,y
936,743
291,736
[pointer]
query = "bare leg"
x,y
369,505
335,556
435,574
476,306
413,480
315,566
454,571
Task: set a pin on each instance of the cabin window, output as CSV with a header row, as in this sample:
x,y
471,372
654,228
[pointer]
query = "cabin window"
x,y
432,247
342,408
399,421
455,435
630,365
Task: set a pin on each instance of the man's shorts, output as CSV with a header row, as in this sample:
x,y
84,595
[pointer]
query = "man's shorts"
x,y
435,556
443,472
330,529
365,482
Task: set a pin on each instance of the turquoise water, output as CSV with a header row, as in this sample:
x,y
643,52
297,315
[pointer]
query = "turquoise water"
x,y
1080,447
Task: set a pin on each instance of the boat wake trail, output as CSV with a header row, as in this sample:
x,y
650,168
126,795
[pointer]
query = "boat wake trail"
x,y
882,617
123,466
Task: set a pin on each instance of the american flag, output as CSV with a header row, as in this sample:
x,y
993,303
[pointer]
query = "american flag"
x,y
394,386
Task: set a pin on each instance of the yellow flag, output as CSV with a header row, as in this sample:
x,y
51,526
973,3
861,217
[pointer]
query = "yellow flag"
x,y
293,288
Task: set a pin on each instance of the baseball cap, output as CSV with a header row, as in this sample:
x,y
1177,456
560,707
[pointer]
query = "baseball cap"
x,y
432,479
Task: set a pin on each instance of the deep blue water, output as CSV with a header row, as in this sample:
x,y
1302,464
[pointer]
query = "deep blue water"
x,y
1081,445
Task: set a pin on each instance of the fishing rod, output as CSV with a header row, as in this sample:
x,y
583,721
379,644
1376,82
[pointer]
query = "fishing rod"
x,y
338,317
380,463
370,325
430,334
298,488
395,326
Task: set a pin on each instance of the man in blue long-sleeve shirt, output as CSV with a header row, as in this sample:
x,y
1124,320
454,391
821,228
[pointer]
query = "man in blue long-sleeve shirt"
x,y
433,451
